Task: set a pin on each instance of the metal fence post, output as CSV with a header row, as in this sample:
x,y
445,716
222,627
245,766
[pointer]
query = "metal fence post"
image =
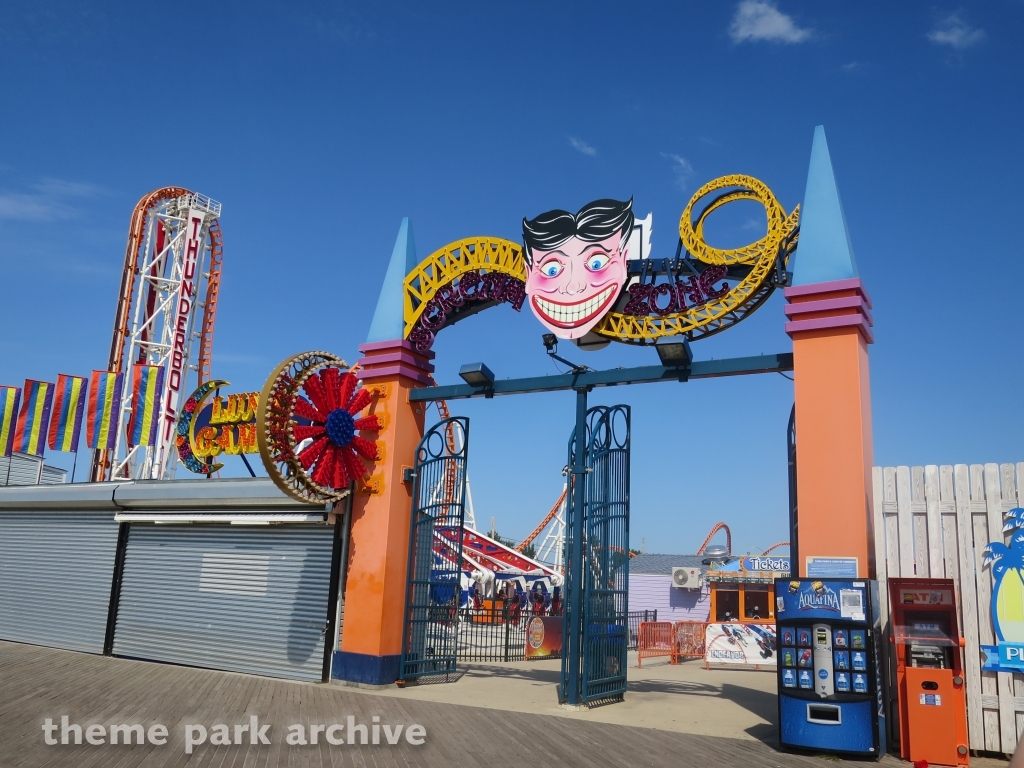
x,y
574,567
794,519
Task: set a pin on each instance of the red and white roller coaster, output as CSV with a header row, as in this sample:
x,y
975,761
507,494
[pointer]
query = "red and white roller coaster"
x,y
485,561
174,255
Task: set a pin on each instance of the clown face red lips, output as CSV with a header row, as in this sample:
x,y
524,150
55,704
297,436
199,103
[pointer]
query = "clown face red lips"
x,y
572,315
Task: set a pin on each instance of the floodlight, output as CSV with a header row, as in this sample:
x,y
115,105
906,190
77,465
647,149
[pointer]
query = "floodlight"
x,y
477,375
674,352
550,342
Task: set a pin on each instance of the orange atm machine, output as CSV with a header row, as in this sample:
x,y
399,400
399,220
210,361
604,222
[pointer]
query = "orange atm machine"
x,y
929,671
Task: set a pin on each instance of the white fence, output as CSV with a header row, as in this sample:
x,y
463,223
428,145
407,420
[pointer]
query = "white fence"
x,y
934,522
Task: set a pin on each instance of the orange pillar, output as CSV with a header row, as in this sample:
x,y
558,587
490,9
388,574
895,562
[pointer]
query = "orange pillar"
x,y
830,324
371,645
371,639
830,328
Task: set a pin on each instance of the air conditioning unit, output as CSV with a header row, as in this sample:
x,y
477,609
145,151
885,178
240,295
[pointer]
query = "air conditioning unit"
x,y
686,578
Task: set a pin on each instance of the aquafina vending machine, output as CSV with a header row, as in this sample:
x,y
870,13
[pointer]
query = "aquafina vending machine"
x,y
830,681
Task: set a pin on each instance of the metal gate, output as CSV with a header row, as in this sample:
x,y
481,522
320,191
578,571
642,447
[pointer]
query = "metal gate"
x,y
243,598
55,577
430,636
606,570
600,673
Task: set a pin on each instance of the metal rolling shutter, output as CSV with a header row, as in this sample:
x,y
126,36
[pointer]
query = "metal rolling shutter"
x,y
55,575
240,598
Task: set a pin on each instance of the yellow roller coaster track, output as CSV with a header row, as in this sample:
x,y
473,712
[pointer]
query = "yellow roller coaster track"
x,y
483,254
493,254
745,296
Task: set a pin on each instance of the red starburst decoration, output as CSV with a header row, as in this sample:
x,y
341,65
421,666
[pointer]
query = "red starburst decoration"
x,y
335,457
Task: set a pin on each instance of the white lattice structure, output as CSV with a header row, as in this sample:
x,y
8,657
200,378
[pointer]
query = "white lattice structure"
x,y
173,264
552,548
470,516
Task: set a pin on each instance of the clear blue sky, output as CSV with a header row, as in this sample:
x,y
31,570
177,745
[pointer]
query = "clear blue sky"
x,y
319,126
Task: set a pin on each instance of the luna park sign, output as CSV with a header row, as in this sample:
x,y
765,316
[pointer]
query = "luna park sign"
x,y
224,426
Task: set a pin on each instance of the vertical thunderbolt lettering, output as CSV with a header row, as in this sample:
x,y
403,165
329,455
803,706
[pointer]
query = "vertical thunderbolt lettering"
x,y
177,371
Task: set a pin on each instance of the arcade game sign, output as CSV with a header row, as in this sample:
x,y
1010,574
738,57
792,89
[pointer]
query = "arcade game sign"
x,y
1007,563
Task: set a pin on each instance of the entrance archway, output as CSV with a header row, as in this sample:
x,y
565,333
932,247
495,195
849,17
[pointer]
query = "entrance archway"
x,y
661,302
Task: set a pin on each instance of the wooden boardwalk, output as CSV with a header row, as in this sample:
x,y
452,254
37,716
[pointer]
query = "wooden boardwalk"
x,y
39,683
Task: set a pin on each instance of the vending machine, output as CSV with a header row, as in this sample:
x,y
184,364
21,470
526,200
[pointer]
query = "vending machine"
x,y
830,680
929,671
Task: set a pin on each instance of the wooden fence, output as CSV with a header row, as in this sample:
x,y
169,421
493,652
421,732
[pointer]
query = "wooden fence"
x,y
934,521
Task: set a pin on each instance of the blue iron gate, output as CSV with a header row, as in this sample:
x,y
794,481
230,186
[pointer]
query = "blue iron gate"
x,y
430,637
597,670
606,569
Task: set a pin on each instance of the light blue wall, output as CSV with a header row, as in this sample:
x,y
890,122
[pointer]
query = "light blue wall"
x,y
648,592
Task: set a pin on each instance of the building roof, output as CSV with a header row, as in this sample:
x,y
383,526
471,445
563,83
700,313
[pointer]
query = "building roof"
x,y
663,564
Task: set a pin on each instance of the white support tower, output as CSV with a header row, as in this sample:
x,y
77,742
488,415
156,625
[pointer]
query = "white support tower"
x,y
173,271
470,515
552,549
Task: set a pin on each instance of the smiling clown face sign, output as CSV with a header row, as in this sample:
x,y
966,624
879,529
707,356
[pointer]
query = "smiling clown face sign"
x,y
577,264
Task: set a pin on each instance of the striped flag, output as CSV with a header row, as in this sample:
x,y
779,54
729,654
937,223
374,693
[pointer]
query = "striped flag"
x,y
69,407
9,399
30,435
104,409
147,384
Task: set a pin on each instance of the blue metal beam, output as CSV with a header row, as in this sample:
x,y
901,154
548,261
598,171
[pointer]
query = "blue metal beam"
x,y
646,374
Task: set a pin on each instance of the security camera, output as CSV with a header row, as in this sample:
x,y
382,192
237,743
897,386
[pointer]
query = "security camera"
x,y
551,345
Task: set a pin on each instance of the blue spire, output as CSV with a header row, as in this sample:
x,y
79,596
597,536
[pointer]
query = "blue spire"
x,y
388,323
824,252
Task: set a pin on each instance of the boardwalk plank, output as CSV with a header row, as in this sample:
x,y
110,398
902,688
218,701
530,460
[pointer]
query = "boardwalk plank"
x,y
95,688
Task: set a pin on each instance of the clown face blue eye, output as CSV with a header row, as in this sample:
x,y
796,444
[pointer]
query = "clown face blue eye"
x,y
597,262
551,269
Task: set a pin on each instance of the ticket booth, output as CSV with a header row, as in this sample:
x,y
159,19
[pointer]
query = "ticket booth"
x,y
929,671
748,600
740,628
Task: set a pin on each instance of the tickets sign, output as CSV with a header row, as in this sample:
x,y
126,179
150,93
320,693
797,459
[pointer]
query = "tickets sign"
x,y
762,563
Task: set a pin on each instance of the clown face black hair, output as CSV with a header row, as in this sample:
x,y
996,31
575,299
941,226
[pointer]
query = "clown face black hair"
x,y
594,222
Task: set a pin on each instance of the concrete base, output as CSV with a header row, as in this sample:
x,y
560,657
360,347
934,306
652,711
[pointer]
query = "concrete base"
x,y
375,671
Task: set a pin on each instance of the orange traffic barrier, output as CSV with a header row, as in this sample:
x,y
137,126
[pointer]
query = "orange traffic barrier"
x,y
688,640
654,638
